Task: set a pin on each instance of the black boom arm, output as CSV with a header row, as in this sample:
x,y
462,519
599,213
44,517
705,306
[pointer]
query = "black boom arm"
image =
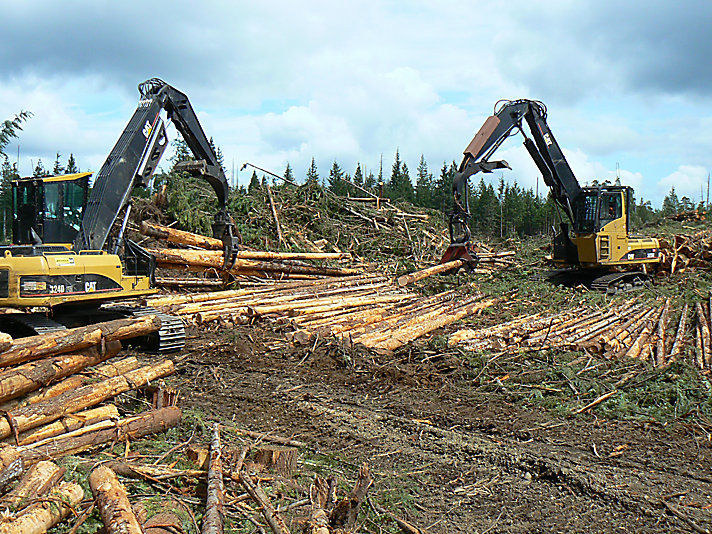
x,y
542,148
135,157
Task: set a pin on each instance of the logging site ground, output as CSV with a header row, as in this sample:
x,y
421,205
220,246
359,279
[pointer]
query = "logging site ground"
x,y
541,427
354,393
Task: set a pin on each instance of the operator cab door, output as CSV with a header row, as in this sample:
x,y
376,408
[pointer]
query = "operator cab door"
x,y
611,225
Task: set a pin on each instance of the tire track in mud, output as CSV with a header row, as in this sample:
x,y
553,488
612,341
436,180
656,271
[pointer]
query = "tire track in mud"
x,y
568,488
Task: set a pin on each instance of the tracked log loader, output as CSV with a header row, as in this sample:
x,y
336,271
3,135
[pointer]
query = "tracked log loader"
x,y
597,247
69,255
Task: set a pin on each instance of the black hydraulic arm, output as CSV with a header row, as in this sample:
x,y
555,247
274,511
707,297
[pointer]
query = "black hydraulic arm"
x,y
135,157
542,147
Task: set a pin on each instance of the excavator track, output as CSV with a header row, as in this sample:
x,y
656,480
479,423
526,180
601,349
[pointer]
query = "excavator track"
x,y
619,282
27,324
169,338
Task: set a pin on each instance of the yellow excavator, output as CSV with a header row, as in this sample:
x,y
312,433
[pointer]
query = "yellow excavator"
x,y
69,255
598,249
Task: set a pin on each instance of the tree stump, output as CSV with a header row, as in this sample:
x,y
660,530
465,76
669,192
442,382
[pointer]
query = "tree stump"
x,y
281,460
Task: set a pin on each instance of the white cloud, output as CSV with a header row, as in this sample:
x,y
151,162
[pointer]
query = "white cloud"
x,y
688,180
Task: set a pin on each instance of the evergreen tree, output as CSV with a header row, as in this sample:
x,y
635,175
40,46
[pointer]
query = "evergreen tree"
x,y
671,204
9,173
181,152
312,174
335,182
57,169
370,182
400,186
424,184
9,128
254,185
358,175
39,170
71,167
218,154
288,174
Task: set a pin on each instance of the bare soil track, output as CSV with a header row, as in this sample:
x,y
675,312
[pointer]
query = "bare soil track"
x,y
447,456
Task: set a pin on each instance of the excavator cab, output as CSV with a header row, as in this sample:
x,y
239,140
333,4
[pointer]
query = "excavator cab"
x,y
49,210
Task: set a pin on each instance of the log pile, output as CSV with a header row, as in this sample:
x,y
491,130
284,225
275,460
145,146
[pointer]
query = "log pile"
x,y
53,393
205,256
630,330
366,309
689,216
686,251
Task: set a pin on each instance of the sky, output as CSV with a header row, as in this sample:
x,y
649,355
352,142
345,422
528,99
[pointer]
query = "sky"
x,y
628,85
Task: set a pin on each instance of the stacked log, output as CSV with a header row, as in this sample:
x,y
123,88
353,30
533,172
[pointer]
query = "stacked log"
x,y
51,388
206,254
703,334
366,309
630,330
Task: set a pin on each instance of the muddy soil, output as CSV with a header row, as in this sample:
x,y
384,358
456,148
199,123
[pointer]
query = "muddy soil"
x,y
446,455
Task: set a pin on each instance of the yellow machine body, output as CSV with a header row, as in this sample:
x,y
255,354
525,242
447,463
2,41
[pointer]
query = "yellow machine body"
x,y
59,277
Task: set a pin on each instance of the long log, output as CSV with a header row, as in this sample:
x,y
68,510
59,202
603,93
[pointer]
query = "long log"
x,y
180,237
34,415
76,381
99,434
69,423
275,522
113,503
214,259
214,517
407,279
40,517
74,339
31,376
679,336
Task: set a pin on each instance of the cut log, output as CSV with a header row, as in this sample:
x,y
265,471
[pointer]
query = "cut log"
x,y
5,341
407,279
31,376
73,382
180,237
34,415
74,339
214,259
99,434
213,520
37,481
113,503
275,522
679,336
40,517
282,460
67,424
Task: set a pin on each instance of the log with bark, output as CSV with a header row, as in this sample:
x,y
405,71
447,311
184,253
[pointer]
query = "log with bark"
x,y
36,482
214,517
113,503
22,379
75,339
99,434
31,416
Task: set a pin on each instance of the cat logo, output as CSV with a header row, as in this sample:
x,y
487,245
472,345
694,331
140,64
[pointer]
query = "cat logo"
x,y
147,130
89,287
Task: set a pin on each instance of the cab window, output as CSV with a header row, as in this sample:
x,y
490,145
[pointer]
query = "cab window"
x,y
611,208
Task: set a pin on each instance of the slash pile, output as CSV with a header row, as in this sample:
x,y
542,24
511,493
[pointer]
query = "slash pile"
x,y
630,330
365,309
684,251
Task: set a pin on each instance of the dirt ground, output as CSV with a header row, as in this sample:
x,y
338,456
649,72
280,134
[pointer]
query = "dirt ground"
x,y
446,455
